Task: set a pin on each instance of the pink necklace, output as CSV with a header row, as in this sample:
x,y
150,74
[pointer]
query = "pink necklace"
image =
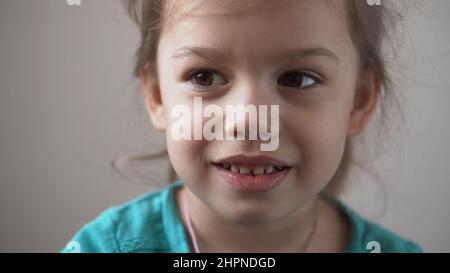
x,y
194,239
189,225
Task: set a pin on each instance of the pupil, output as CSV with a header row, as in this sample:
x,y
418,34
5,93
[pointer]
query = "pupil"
x,y
293,80
203,79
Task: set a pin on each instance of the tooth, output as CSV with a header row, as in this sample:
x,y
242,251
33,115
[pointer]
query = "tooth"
x,y
269,169
226,166
278,168
234,169
258,171
244,170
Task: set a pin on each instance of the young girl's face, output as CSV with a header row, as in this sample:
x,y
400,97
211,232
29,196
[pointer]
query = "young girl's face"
x,y
295,54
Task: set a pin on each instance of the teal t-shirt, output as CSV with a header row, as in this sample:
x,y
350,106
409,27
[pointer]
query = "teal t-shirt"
x,y
151,223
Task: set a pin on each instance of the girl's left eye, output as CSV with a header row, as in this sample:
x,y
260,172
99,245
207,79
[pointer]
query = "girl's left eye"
x,y
202,79
298,80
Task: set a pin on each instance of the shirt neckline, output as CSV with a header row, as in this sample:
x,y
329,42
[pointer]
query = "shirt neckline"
x,y
175,232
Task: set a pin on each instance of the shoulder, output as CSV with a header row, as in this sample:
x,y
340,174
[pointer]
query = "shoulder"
x,y
135,226
367,236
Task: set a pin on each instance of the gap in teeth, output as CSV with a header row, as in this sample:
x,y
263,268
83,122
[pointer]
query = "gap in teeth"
x,y
254,171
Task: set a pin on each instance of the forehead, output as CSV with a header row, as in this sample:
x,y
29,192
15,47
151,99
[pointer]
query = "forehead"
x,y
180,9
257,25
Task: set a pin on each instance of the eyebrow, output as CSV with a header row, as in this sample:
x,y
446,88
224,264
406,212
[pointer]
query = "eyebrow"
x,y
202,52
313,52
211,52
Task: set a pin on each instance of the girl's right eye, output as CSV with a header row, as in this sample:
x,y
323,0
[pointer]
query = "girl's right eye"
x,y
202,79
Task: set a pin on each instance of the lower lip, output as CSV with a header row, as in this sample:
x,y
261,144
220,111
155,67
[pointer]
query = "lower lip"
x,y
250,183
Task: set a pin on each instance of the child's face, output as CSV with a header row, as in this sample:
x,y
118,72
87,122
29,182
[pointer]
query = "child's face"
x,y
259,58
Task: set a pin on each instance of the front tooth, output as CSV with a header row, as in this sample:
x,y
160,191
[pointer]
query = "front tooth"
x,y
269,169
244,170
234,168
258,171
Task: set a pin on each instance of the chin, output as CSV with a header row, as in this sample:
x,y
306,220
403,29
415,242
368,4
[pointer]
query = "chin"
x,y
247,215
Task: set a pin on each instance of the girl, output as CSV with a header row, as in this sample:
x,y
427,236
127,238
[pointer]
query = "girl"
x,y
320,62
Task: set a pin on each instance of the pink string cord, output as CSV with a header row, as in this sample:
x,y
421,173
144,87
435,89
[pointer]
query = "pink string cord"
x,y
189,225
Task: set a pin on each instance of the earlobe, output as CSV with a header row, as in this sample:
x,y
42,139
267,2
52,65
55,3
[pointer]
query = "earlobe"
x,y
364,103
153,101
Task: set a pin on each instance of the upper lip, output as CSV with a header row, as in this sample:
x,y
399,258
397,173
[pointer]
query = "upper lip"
x,y
260,160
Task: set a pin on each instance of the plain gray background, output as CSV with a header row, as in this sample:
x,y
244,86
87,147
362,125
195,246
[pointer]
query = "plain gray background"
x,y
68,106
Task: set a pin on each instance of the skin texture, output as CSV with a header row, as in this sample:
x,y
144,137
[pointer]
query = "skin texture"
x,y
252,51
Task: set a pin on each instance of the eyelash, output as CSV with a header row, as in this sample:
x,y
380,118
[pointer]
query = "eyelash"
x,y
312,76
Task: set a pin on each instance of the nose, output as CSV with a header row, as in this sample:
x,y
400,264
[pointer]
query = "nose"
x,y
251,115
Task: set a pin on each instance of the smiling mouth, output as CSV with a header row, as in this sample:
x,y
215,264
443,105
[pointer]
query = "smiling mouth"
x,y
252,178
252,174
251,170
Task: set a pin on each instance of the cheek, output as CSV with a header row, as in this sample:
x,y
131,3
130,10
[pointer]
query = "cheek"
x,y
187,158
325,150
320,138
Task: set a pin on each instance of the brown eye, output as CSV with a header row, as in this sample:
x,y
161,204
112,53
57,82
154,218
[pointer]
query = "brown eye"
x,y
297,80
206,79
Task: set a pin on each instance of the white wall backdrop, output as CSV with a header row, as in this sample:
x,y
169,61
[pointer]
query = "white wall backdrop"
x,y
68,105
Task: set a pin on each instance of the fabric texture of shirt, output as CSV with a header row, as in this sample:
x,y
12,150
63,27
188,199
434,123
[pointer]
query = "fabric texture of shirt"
x,y
151,223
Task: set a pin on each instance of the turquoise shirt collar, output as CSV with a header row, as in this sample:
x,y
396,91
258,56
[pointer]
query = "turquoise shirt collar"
x,y
175,232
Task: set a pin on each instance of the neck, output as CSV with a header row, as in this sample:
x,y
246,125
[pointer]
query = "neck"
x,y
293,233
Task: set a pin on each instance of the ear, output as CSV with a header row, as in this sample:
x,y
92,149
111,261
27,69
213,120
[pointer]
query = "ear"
x,y
153,101
364,102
